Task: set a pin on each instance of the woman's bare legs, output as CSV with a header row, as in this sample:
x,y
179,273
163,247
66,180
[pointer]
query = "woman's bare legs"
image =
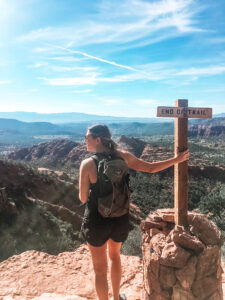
x,y
99,260
116,270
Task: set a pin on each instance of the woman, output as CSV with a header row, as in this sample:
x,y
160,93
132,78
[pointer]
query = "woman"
x,y
102,233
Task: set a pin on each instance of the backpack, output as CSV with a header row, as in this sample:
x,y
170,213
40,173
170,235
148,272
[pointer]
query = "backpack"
x,y
113,185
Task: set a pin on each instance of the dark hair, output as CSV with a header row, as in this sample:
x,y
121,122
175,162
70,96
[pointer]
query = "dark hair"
x,y
103,132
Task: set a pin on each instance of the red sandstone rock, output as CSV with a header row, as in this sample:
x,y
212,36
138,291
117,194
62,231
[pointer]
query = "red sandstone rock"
x,y
54,150
208,262
133,145
215,296
162,296
168,218
154,264
146,237
32,274
151,265
147,258
145,225
186,275
185,240
167,277
205,229
163,211
174,256
154,283
53,296
154,218
180,294
205,287
153,231
157,243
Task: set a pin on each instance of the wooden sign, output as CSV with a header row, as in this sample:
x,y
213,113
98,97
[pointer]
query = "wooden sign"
x,y
185,112
181,112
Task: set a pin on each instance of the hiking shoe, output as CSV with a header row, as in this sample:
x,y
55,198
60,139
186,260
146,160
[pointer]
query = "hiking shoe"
x,y
122,297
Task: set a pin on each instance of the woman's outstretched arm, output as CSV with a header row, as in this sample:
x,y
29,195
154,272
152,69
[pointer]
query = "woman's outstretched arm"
x,y
140,165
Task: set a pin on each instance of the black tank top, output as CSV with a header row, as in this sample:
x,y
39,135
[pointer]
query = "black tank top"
x,y
91,213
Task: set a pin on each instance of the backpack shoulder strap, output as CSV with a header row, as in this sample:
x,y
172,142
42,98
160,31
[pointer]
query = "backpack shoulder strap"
x,y
96,159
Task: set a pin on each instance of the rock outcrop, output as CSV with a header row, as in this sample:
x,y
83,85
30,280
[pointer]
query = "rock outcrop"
x,y
205,130
68,153
155,153
38,275
181,263
54,150
38,210
133,145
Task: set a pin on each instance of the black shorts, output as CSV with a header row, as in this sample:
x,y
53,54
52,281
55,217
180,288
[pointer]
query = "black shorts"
x,y
97,232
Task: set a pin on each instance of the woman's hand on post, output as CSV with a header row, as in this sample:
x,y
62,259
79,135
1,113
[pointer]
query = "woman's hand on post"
x,y
183,156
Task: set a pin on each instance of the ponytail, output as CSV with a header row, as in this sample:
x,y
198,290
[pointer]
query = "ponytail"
x,y
109,144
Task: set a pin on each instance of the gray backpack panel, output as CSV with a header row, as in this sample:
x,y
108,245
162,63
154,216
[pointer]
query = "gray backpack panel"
x,y
113,186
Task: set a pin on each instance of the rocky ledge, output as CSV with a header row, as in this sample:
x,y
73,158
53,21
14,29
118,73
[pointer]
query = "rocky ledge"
x,y
67,276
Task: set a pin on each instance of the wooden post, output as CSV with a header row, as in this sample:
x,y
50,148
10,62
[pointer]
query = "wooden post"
x,y
181,112
181,170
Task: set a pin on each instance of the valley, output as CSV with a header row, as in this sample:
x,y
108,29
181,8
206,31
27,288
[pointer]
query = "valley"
x,y
41,182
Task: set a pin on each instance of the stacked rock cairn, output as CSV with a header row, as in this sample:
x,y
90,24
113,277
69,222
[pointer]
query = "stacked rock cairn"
x,y
181,263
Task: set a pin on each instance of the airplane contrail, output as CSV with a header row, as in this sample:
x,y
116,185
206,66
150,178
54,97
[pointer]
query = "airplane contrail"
x,y
99,59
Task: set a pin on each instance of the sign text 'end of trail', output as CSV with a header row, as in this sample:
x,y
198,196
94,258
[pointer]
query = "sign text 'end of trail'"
x,y
184,112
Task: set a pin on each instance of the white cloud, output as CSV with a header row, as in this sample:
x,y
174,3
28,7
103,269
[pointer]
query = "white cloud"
x,y
125,22
38,65
41,49
70,81
33,90
154,72
217,40
210,70
146,102
72,68
218,108
66,58
2,82
111,101
82,91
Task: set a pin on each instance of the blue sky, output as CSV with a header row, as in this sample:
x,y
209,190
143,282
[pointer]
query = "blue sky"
x,y
119,58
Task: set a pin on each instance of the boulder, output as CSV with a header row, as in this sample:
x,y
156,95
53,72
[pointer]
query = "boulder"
x,y
145,225
166,214
174,256
159,296
167,277
186,240
215,296
153,231
205,230
186,275
157,243
208,262
205,287
154,283
180,294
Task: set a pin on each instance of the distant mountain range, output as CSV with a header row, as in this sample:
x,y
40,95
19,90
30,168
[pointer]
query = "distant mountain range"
x,y
73,117
14,127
